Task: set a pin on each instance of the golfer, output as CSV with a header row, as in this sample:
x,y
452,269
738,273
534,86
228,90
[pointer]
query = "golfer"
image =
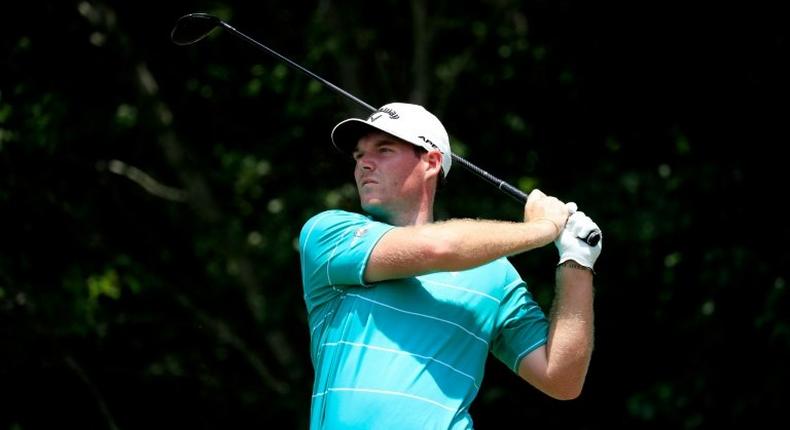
x,y
403,310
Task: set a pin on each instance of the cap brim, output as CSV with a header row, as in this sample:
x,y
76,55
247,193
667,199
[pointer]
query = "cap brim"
x,y
346,134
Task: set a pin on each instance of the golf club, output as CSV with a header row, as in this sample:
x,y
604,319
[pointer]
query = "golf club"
x,y
194,27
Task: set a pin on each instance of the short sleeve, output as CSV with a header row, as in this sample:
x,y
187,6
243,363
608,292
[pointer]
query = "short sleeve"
x,y
521,326
334,247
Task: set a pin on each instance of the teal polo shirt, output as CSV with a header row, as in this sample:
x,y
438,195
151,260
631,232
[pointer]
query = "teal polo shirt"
x,y
406,353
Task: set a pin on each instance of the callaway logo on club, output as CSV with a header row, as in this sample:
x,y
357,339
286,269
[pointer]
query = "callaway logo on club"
x,y
386,110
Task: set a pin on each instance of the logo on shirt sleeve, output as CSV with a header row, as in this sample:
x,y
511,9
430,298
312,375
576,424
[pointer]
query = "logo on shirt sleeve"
x,y
358,234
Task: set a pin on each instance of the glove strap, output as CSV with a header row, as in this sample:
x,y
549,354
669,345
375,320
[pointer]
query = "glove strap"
x,y
574,265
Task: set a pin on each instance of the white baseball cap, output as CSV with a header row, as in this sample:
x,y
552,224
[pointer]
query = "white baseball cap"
x,y
406,121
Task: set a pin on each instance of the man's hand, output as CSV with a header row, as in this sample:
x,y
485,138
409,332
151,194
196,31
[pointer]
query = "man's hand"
x,y
547,209
571,244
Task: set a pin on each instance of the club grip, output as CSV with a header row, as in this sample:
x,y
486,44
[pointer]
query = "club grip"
x,y
593,238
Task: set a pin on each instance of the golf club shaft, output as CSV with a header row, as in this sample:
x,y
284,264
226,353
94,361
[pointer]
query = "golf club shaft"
x,y
493,180
265,48
592,239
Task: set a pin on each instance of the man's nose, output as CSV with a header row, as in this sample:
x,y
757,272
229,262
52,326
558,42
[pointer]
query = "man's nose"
x,y
365,162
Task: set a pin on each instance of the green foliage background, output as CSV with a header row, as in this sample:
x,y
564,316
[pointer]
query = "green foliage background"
x,y
151,196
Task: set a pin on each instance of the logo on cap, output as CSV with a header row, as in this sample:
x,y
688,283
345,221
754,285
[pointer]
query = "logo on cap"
x,y
428,141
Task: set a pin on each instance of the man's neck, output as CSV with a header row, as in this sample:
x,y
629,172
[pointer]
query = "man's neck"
x,y
417,217
421,214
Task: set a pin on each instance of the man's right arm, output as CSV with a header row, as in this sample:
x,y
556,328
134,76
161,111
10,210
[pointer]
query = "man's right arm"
x,y
463,244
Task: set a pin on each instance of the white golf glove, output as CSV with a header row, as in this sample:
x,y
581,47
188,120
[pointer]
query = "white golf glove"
x,y
571,244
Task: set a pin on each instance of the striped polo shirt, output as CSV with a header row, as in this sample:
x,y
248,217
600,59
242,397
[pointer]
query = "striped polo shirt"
x,y
406,353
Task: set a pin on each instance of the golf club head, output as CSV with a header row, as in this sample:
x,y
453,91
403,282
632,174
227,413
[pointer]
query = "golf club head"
x,y
193,27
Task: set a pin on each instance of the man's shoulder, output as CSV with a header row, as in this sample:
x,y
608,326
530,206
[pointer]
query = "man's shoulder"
x,y
334,215
333,219
329,227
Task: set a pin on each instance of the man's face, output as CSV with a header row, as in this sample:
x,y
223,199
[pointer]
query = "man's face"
x,y
390,175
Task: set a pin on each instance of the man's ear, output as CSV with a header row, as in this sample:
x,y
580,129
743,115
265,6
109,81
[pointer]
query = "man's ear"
x,y
434,159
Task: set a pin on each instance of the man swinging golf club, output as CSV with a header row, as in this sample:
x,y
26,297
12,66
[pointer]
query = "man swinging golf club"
x,y
403,310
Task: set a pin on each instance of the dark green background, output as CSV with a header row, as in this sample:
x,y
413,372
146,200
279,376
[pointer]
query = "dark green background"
x,y
151,195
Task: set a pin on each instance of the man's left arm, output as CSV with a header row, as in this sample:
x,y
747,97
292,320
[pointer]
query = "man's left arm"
x,y
559,368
